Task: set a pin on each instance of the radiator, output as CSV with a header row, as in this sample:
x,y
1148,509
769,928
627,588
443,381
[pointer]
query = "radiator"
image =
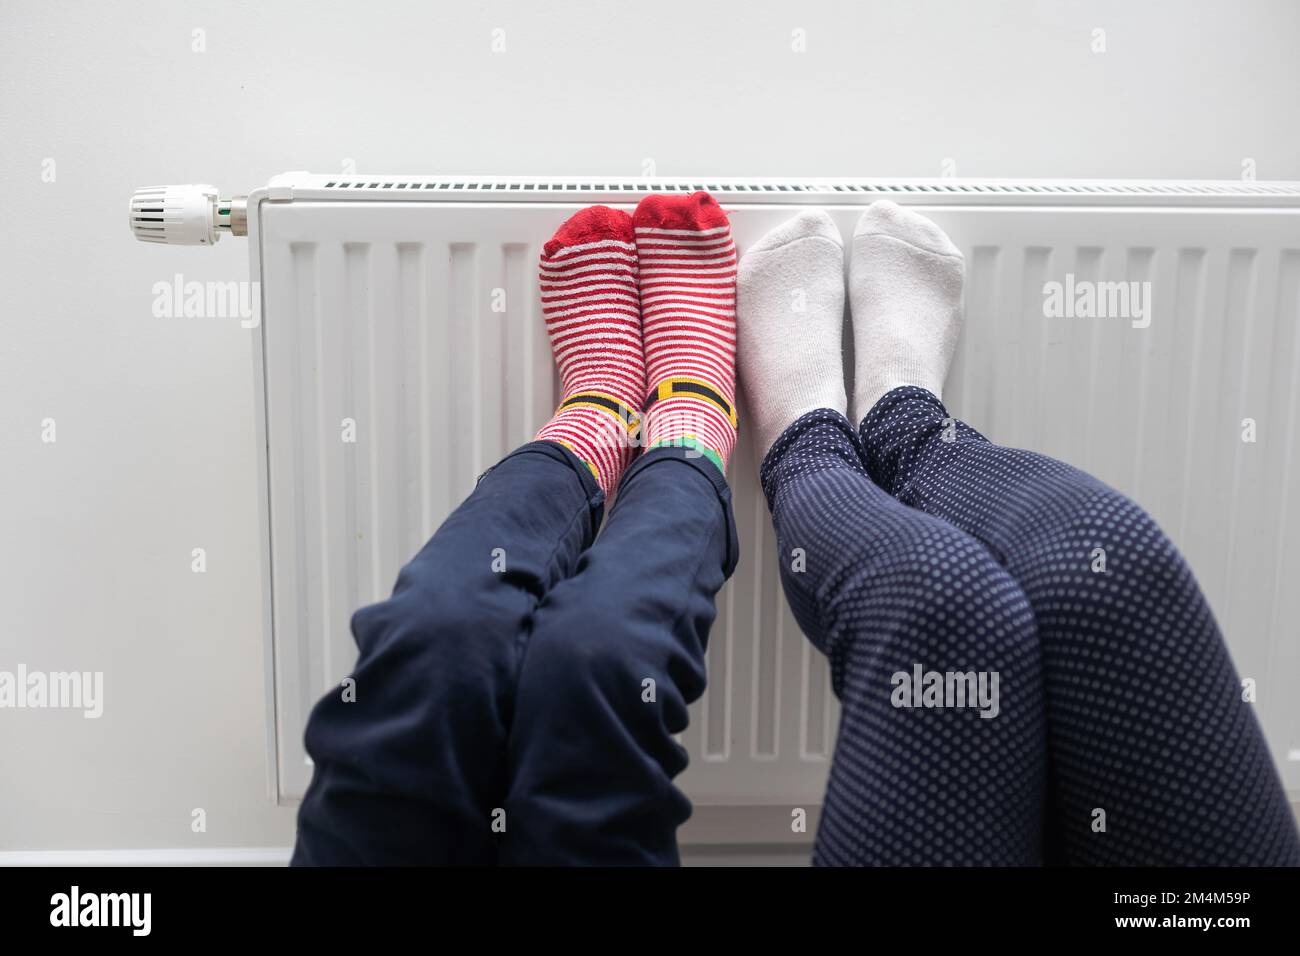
x,y
408,306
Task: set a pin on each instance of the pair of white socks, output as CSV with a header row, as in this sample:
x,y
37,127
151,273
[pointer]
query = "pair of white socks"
x,y
905,295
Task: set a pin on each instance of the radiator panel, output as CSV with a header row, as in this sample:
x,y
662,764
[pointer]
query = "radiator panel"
x,y
384,313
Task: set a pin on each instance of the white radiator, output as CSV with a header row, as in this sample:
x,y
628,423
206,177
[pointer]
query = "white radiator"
x,y
409,305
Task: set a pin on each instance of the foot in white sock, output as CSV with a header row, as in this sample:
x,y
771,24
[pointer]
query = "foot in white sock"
x,y
789,323
905,282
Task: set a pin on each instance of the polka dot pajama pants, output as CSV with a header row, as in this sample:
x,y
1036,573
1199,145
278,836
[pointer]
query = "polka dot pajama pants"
x,y
1027,669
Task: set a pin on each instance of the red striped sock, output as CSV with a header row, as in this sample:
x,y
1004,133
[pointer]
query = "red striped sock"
x,y
588,279
688,308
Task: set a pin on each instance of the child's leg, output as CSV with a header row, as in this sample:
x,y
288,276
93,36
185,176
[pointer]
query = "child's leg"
x,y
615,655
410,757
411,763
617,651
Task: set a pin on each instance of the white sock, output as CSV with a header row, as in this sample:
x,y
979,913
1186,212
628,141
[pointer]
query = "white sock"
x,y
789,324
905,281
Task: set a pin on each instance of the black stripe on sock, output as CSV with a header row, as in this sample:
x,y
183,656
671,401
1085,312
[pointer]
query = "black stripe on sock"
x,y
692,388
619,409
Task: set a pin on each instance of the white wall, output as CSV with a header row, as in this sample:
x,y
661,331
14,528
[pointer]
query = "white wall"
x,y
155,436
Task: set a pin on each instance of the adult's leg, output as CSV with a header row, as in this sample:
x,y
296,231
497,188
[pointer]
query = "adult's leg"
x,y
615,655
1146,720
411,760
884,590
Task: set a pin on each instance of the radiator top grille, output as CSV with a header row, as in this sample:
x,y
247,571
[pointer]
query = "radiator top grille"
x,y
1001,191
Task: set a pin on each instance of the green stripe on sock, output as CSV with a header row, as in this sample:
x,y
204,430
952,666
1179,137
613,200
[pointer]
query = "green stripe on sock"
x,y
687,441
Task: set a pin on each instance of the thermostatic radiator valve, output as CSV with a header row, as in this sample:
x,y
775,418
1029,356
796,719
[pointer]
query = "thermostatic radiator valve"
x,y
188,215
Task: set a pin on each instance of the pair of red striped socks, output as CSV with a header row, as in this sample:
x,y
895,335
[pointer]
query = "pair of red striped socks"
x,y
641,312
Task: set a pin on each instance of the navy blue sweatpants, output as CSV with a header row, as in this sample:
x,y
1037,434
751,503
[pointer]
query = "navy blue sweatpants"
x,y
1117,733
517,695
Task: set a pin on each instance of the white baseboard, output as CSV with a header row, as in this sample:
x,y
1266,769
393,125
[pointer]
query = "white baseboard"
x,y
732,835
725,855
216,856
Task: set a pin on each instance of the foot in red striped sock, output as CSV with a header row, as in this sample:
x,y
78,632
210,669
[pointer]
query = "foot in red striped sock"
x,y
688,308
588,278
